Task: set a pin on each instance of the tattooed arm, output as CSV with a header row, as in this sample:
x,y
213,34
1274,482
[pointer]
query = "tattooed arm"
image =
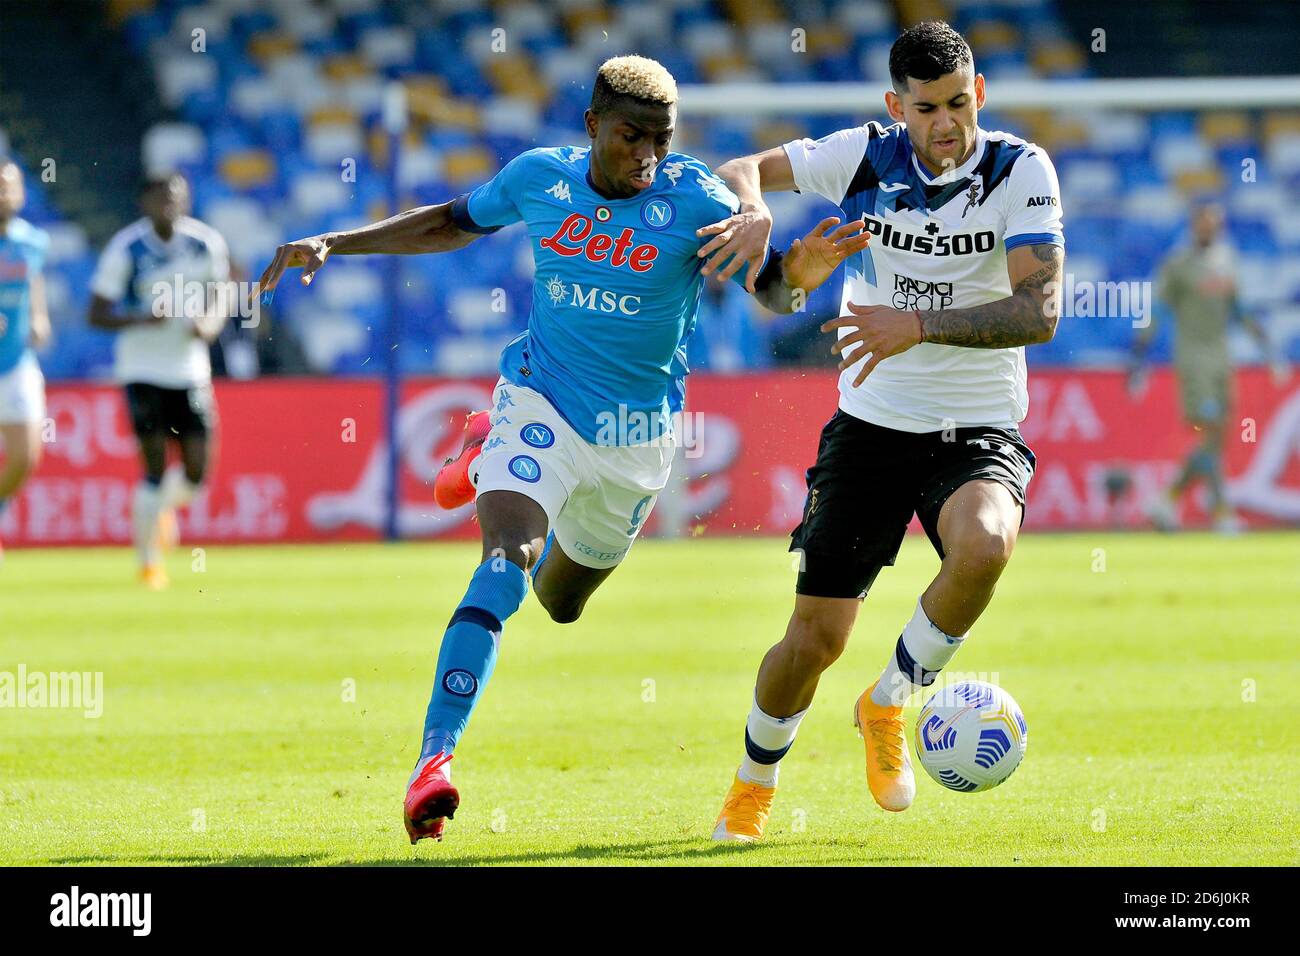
x,y
1025,317
1028,316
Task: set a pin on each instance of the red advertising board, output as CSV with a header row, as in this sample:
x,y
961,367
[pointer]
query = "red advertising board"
x,y
303,459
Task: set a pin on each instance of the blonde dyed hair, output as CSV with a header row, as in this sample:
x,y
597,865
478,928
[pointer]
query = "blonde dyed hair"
x,y
638,77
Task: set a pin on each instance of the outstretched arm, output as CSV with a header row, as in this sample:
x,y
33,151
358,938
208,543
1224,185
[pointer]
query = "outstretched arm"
x,y
786,282
1026,317
743,237
416,231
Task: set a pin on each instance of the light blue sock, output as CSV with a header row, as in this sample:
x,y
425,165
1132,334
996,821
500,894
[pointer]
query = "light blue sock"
x,y
469,651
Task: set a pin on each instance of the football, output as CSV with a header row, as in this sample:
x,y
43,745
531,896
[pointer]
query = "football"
x,y
971,736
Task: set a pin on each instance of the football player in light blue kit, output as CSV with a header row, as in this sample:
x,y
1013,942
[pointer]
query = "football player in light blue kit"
x,y
24,324
579,440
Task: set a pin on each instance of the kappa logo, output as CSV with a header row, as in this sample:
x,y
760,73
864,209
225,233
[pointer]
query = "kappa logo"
x,y
460,682
673,171
561,191
972,198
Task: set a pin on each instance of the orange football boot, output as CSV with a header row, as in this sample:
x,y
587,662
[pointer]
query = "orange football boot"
x,y
744,812
889,766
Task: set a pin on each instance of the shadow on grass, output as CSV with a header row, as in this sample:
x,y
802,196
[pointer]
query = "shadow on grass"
x,y
211,859
694,850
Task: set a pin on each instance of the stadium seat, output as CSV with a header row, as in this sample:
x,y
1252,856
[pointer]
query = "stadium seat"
x,y
286,92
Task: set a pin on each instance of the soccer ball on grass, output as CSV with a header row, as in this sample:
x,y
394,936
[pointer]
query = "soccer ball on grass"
x,y
971,736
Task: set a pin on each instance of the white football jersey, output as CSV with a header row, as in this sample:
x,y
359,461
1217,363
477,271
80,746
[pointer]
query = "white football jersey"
x,y
937,242
136,269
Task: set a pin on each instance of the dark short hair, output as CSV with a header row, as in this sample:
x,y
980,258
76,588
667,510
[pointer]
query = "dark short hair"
x,y
926,52
151,183
604,98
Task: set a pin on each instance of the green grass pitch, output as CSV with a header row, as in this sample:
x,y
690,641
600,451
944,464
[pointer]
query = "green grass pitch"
x,y
267,710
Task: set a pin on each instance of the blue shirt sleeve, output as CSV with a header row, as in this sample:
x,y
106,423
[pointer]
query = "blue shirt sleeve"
x,y
497,202
717,202
40,249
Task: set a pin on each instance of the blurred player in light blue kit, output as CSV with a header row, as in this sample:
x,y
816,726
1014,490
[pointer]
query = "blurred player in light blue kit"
x,y
24,325
579,440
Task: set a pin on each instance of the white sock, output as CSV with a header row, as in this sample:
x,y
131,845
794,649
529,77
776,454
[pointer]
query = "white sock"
x,y
145,506
766,736
177,490
921,652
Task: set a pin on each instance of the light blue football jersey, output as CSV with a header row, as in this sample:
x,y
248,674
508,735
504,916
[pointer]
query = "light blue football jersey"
x,y
22,255
616,288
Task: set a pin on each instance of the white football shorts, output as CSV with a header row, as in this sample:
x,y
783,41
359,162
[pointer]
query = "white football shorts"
x,y
22,393
596,498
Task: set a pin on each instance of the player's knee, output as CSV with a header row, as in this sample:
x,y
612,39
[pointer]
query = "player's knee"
x,y
983,552
562,609
817,641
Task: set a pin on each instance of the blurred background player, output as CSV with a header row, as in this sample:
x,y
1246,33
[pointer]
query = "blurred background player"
x,y
144,289
933,386
1198,283
580,438
24,326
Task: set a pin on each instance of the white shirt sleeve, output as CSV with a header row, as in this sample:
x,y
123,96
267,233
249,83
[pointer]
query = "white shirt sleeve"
x,y
218,256
113,271
1033,202
826,166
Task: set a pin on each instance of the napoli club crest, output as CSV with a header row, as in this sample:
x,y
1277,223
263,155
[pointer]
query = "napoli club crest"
x,y
658,214
525,468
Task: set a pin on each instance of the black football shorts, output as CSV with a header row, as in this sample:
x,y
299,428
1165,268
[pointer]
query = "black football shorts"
x,y
176,412
867,483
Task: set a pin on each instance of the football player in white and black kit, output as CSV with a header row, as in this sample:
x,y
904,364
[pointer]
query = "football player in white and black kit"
x,y
158,285
962,272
